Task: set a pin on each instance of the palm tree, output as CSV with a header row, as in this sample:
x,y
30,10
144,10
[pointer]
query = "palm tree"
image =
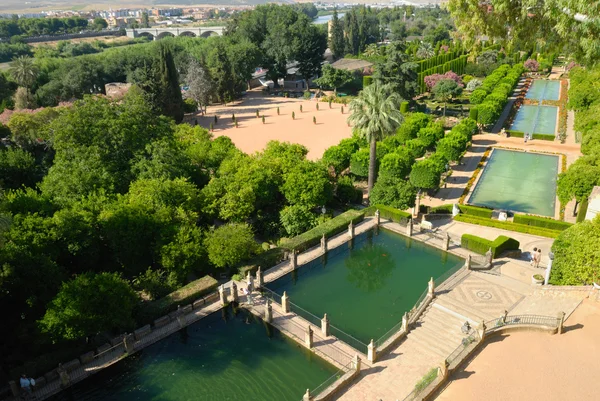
x,y
23,71
375,114
425,50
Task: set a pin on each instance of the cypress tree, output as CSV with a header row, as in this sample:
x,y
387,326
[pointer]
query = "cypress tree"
x,y
337,43
170,100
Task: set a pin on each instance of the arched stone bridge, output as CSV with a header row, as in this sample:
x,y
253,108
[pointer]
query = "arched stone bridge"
x,y
159,32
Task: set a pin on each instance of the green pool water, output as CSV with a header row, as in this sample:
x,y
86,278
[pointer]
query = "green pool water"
x,y
536,119
223,357
543,89
518,181
366,290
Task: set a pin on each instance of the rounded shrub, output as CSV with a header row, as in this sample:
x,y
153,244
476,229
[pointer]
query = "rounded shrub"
x,y
478,96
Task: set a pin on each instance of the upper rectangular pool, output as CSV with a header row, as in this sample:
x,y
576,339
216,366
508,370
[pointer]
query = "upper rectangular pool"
x,y
518,181
366,290
543,89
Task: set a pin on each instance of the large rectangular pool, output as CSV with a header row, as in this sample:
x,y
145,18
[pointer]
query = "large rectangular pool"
x,y
229,355
518,181
366,290
543,89
536,119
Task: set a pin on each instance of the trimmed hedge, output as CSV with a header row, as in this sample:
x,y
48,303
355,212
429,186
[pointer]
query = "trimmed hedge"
x,y
476,211
367,80
186,294
473,113
507,225
390,213
583,207
329,228
542,222
404,107
266,260
521,134
444,209
482,245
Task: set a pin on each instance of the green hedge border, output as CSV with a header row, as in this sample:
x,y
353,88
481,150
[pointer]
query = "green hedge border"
x,y
521,134
481,245
542,222
390,213
506,225
476,211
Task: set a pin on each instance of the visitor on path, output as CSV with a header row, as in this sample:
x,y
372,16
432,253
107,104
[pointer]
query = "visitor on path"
x,y
248,295
525,137
532,256
26,383
538,257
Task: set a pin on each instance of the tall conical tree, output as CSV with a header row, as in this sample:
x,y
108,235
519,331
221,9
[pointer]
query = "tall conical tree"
x,y
171,101
336,41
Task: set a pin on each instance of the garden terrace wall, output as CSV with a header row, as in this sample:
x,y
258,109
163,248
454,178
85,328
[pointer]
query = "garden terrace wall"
x,y
186,294
330,228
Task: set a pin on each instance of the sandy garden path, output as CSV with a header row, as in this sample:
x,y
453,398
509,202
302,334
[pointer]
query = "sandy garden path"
x,y
252,135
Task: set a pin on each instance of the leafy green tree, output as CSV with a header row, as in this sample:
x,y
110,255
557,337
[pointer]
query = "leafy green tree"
x,y
99,24
17,168
145,20
308,184
393,191
200,83
577,182
452,147
334,78
425,174
297,219
396,164
375,114
445,90
399,71
336,41
230,244
185,253
222,71
88,305
168,82
338,156
576,255
431,134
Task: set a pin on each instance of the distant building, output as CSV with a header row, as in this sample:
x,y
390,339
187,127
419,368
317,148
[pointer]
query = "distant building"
x,y
167,12
593,209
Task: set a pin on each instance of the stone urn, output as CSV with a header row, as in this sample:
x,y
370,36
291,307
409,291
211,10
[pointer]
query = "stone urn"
x,y
537,279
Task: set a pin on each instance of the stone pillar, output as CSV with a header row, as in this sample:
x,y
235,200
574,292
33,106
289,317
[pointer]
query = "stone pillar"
x,y
504,317
417,204
446,243
431,288
268,311
128,342
404,327
308,337
285,303
259,277
14,389
482,329
234,291
489,257
561,322
351,230
468,262
356,362
548,269
181,321
306,396
250,282
63,376
323,244
293,260
371,351
325,325
409,228
222,295
377,217
443,370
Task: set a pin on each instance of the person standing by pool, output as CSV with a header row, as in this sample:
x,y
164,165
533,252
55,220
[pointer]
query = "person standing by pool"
x,y
532,256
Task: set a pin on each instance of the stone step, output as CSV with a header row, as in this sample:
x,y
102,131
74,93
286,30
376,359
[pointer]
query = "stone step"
x,y
443,321
426,340
442,336
462,310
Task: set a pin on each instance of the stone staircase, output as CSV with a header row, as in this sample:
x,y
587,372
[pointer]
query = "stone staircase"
x,y
436,334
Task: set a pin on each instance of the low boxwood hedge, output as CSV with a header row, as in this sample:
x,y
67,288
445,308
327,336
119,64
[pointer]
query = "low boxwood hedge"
x,y
507,225
521,134
482,245
185,295
541,222
330,228
444,209
389,213
476,211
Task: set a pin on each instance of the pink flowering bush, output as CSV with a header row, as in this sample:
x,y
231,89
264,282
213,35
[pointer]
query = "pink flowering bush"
x,y
432,80
531,65
571,65
444,48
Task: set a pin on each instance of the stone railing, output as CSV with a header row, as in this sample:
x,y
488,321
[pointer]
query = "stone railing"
x,y
71,372
476,338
